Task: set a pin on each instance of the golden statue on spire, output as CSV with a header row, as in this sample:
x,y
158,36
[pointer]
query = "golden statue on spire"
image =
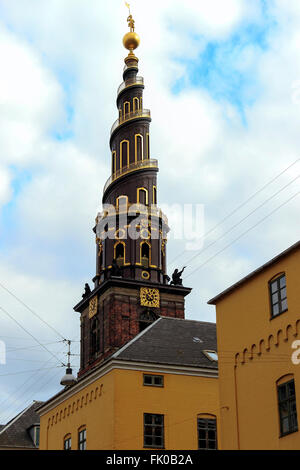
x,y
131,40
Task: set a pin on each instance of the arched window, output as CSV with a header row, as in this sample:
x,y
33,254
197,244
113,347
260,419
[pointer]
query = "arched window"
x,y
136,104
119,253
126,109
148,146
146,318
139,151
124,153
120,114
207,432
94,336
145,254
278,294
287,405
118,163
122,203
113,162
154,201
68,442
142,196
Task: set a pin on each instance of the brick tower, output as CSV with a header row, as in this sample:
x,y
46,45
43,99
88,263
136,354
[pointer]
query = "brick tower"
x,y
131,286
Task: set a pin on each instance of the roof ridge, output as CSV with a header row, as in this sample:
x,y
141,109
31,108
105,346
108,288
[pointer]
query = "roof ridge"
x,y
189,320
6,426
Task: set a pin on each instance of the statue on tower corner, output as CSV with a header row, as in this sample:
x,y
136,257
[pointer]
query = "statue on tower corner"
x,y
87,291
176,277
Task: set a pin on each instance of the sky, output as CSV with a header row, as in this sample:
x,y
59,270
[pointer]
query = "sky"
x,y
222,80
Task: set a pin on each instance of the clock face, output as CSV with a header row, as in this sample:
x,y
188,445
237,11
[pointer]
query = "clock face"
x,y
149,297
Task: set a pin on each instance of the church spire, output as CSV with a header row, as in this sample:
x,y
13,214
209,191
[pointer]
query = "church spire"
x,y
131,286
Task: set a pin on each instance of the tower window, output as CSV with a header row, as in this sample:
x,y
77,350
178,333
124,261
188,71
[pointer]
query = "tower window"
x,y
139,154
148,146
287,407
278,295
122,203
95,336
142,196
145,255
153,430
126,109
135,104
207,434
120,254
113,170
146,318
154,195
124,153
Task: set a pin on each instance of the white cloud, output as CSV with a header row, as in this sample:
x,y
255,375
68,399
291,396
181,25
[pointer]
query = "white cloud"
x,y
64,58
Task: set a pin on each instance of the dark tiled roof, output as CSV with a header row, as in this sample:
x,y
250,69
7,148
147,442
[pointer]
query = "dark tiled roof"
x,y
227,291
173,341
15,433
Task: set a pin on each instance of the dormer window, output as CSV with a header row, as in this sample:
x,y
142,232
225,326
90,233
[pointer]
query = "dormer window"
x,y
211,355
34,432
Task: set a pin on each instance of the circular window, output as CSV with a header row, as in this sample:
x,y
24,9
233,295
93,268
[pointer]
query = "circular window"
x,y
145,234
120,234
145,275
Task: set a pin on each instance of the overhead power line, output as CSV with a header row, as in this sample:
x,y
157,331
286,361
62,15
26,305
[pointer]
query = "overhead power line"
x,y
30,334
244,233
31,310
243,219
239,207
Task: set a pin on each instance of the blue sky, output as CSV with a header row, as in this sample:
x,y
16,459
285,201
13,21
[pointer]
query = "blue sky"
x,y
219,82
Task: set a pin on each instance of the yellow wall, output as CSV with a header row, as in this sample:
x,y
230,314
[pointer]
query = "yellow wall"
x,y
114,420
248,393
180,400
91,407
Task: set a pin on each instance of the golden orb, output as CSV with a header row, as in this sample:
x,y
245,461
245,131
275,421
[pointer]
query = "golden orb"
x,y
131,41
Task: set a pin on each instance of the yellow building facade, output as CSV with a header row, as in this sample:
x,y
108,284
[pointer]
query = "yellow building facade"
x,y
107,408
258,326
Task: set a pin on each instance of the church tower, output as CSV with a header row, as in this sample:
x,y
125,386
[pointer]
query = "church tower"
x,y
131,287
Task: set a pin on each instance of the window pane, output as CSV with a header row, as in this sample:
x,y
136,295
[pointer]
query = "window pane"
x,y
148,441
284,305
275,309
285,425
158,441
148,419
291,388
274,286
211,444
283,293
158,419
202,444
275,298
283,282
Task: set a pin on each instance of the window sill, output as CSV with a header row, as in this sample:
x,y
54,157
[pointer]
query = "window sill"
x,y
287,433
